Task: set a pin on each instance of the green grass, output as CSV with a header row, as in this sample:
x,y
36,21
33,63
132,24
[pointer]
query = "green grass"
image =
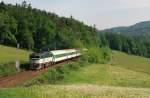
x,y
90,74
8,56
120,73
105,75
135,63
75,91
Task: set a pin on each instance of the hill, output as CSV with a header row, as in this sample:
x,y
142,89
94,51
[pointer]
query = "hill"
x,y
8,56
134,39
136,29
38,30
135,63
125,70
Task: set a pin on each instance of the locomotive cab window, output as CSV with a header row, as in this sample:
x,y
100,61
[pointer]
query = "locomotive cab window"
x,y
34,57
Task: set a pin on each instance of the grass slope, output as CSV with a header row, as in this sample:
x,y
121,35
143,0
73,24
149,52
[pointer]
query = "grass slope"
x,y
126,71
105,75
131,62
9,54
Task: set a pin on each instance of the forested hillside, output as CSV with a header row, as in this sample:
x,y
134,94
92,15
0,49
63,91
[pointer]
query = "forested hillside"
x,y
137,45
134,39
36,29
136,29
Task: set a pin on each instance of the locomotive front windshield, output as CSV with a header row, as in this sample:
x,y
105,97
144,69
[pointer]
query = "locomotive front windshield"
x,y
34,57
41,56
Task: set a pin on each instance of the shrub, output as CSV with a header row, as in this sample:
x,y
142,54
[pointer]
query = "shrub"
x,y
106,54
7,69
96,55
55,74
73,66
24,66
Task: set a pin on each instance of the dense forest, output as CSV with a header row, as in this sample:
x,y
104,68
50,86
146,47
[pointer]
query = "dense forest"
x,y
131,44
134,39
35,29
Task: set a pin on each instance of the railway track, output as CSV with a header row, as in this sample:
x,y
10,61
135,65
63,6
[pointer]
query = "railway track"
x,y
19,78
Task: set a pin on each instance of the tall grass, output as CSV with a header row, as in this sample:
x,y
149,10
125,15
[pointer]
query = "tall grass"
x,y
75,91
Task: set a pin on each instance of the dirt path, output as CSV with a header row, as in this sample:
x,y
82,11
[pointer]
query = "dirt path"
x,y
14,80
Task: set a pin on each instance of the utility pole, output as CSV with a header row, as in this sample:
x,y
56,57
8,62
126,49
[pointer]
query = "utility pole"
x,y
17,61
55,40
110,71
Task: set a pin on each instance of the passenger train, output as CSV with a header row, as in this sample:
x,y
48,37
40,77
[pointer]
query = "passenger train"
x,y
45,59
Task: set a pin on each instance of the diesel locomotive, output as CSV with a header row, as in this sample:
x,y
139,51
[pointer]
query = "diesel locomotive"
x,y
45,59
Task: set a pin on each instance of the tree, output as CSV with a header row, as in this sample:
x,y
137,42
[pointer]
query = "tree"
x,y
36,29
24,36
24,4
2,6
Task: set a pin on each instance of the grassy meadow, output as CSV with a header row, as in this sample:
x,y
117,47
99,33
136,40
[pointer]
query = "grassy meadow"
x,y
124,70
108,75
8,56
131,62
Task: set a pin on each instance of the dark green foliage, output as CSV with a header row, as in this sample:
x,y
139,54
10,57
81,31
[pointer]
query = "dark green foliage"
x,y
25,66
137,45
96,55
6,25
7,69
40,30
10,68
133,39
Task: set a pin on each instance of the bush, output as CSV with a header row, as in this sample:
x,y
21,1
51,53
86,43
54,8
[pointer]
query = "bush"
x,y
96,55
24,66
73,66
10,68
7,69
55,74
106,54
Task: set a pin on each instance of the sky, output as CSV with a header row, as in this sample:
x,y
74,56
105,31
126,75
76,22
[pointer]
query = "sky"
x,y
103,13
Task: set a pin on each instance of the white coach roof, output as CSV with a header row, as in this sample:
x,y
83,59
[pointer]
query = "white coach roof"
x,y
57,52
